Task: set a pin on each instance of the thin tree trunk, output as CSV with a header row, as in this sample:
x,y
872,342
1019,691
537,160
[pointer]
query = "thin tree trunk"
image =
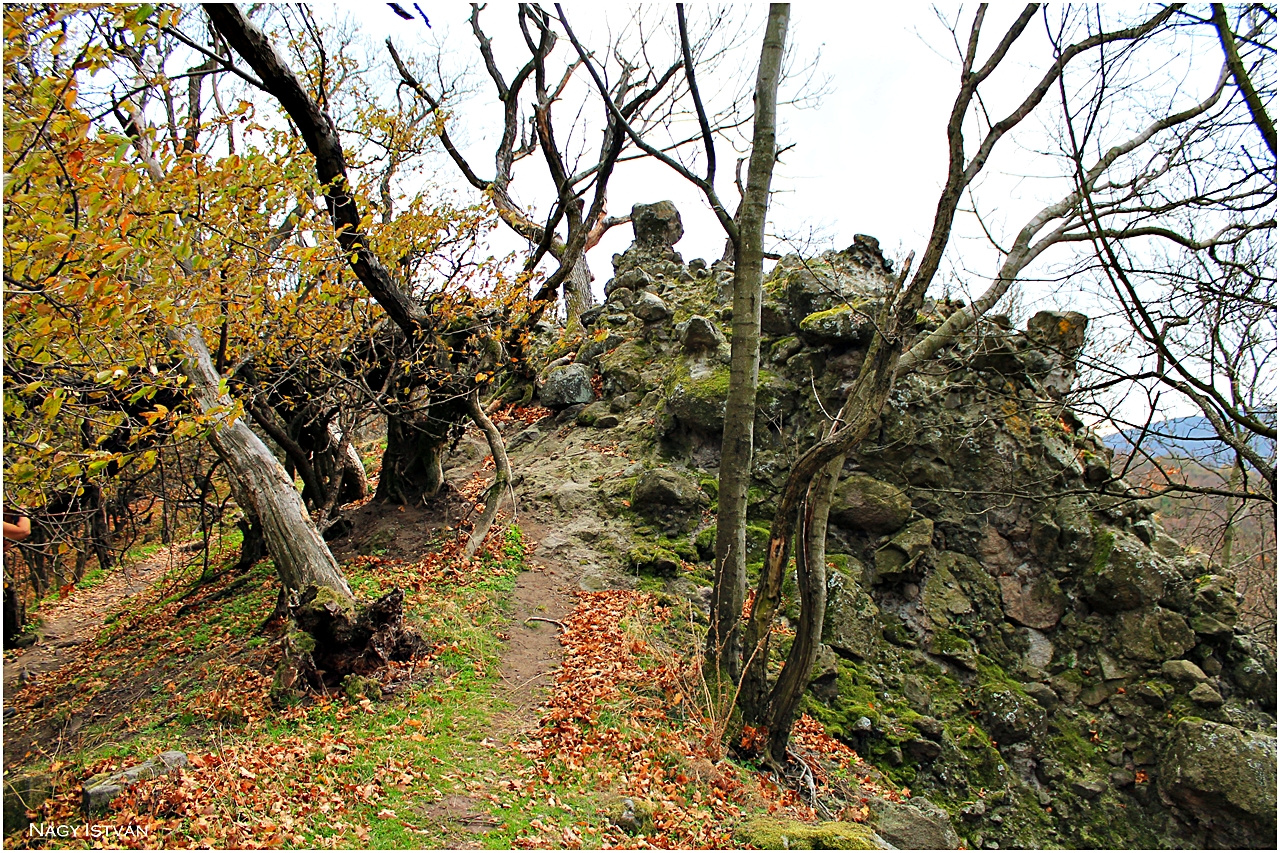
x,y
354,485
811,577
577,292
724,646
261,485
852,425
501,485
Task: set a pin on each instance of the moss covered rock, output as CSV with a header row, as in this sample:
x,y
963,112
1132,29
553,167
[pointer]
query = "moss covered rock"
x,y
698,403
653,560
900,558
942,599
865,503
1226,777
667,498
1153,636
625,369
1009,714
914,825
771,833
1125,574
843,324
852,624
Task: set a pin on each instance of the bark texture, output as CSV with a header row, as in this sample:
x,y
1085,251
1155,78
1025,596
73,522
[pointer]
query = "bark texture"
x,y
724,646
261,485
501,485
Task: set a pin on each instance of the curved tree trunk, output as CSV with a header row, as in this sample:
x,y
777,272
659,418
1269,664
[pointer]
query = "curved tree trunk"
x,y
852,425
811,577
501,484
260,483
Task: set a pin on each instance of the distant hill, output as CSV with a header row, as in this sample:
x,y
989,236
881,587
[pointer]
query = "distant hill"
x,y
1191,437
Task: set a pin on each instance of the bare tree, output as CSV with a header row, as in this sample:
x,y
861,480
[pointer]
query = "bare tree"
x,y
745,233
640,94
1184,251
724,638
805,500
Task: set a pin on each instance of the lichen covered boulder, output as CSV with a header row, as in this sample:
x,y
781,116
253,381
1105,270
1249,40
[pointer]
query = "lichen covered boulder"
x,y
844,324
852,624
567,385
1125,574
650,308
668,499
697,402
865,503
916,824
1226,777
772,833
698,334
1153,636
1009,714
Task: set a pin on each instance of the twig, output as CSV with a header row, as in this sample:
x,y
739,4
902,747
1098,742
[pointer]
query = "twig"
x,y
559,625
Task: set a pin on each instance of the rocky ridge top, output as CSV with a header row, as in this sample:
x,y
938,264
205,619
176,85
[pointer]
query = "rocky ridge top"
x,y
1009,632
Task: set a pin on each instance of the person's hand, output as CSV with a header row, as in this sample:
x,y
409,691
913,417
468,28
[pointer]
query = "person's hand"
x,y
19,530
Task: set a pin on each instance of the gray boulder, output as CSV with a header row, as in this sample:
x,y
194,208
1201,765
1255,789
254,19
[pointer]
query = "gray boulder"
x,y
852,623
650,308
668,499
657,225
632,279
843,324
699,334
1125,574
567,385
916,824
1226,777
1153,636
865,503
1183,670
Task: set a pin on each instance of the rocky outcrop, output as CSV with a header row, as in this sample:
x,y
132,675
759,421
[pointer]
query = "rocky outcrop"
x,y
1010,632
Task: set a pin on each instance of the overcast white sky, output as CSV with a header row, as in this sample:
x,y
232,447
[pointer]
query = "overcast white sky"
x,y
869,158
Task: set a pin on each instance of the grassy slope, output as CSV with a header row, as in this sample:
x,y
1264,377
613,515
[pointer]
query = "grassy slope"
x,y
418,767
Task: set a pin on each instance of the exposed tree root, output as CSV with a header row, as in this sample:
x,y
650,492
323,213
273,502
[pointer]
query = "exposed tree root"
x,y
328,642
